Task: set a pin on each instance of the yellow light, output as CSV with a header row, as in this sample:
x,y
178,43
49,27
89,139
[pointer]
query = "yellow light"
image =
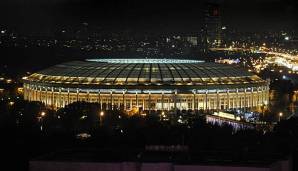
x,y
101,113
280,114
43,114
20,90
11,103
8,81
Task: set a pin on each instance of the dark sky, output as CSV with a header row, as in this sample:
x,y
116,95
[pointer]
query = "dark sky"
x,y
247,15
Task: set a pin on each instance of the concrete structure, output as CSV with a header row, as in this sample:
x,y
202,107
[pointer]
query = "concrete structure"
x,y
148,84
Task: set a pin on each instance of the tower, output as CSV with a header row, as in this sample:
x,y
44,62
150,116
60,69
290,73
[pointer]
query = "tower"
x,y
212,25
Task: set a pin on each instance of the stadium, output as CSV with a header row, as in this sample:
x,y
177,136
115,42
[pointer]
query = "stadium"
x,y
148,84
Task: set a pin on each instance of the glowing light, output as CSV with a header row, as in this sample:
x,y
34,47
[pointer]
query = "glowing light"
x,y
20,90
43,114
83,117
227,115
141,61
102,113
8,81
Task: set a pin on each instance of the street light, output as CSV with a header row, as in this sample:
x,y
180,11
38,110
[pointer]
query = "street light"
x,y
280,115
101,115
40,119
42,114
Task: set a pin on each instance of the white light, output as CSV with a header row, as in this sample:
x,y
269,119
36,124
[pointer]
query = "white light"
x,y
287,38
43,114
152,61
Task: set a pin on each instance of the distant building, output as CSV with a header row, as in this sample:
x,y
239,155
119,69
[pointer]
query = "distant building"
x,y
193,40
212,25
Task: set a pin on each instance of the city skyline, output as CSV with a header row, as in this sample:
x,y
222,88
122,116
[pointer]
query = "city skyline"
x,y
147,15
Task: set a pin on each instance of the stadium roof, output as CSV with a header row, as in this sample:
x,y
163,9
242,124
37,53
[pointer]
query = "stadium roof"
x,y
144,72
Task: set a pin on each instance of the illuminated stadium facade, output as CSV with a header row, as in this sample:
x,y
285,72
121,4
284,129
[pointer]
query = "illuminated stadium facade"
x,y
147,84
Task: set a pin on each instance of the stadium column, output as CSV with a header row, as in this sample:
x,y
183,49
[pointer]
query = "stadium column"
x,y
175,101
99,99
267,93
263,92
78,92
29,91
40,97
111,100
162,99
28,95
217,101
88,96
123,100
46,95
260,95
193,101
59,101
119,103
206,100
168,104
32,93
237,100
130,103
137,103
143,105
149,101
198,102
35,91
252,97
245,102
68,96
52,97
228,99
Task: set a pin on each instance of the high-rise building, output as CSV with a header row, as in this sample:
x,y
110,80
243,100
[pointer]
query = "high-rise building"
x,y
212,24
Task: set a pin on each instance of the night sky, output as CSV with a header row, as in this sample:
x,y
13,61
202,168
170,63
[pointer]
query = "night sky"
x,y
246,15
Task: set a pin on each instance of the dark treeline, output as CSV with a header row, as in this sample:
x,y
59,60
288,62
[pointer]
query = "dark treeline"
x,y
29,129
